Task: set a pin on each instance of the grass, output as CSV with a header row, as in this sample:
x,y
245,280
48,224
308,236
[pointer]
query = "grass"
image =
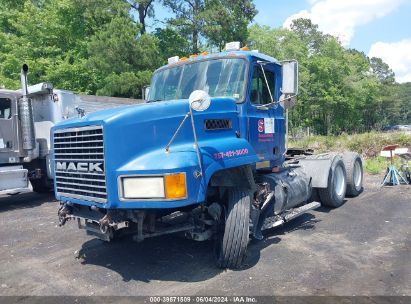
x,y
375,165
368,145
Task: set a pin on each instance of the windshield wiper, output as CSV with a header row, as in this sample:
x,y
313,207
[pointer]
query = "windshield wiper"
x,y
153,100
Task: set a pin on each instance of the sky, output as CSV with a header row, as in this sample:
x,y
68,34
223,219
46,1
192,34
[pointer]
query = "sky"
x,y
379,28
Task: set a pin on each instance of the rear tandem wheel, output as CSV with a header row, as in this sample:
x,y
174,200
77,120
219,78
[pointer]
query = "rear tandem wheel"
x,y
354,168
333,195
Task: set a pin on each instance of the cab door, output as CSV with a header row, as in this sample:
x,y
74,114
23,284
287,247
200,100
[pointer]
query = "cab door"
x,y
261,120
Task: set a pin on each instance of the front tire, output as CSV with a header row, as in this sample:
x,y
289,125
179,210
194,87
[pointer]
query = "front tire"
x,y
333,195
233,239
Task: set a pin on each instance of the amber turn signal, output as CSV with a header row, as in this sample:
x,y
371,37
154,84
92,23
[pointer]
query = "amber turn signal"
x,y
175,185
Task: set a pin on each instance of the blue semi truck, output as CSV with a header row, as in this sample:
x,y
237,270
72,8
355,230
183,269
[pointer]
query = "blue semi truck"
x,y
205,157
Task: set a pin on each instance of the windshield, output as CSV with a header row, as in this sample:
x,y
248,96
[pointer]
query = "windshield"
x,y
218,77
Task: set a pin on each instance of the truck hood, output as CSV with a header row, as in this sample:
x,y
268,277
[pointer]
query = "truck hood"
x,y
133,132
135,138
102,116
140,113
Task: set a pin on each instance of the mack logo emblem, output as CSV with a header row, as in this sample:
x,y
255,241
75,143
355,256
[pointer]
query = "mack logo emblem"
x,y
83,167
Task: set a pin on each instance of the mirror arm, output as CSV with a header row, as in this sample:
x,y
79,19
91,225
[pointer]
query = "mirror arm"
x,y
167,148
176,132
196,143
266,106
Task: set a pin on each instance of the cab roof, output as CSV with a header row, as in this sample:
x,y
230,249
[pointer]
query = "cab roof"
x,y
225,54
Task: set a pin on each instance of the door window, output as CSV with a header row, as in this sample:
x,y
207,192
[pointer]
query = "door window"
x,y
5,108
260,94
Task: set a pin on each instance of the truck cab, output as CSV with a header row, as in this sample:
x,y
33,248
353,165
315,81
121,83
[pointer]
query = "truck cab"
x,y
9,142
204,156
19,165
26,118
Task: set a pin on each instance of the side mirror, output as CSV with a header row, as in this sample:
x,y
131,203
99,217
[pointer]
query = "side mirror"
x,y
146,92
199,101
290,77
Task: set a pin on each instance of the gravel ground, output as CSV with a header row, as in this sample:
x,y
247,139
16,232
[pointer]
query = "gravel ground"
x,y
362,248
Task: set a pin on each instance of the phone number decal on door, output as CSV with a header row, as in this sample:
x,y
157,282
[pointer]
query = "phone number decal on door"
x,y
231,153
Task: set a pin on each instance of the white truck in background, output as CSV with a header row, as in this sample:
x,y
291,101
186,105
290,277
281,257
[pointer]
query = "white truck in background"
x,y
26,117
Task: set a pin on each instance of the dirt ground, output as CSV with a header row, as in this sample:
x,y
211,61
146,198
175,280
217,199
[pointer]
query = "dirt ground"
x,y
362,248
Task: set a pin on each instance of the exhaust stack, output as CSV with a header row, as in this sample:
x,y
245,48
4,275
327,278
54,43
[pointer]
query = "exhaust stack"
x,y
26,113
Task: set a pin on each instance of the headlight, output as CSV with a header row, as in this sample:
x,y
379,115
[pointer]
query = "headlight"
x,y
171,186
143,187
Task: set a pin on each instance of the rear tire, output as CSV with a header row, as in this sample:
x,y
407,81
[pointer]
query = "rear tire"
x,y
355,175
333,195
233,238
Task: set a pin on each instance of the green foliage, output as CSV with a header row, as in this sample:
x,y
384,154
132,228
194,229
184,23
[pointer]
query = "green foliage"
x,y
126,84
227,20
144,9
382,71
367,144
216,21
378,165
171,43
375,165
102,47
84,46
188,20
72,73
115,49
400,104
341,90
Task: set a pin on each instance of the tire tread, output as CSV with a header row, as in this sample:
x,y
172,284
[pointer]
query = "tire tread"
x,y
236,231
349,159
327,194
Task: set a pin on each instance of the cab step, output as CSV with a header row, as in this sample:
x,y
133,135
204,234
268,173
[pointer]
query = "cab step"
x,y
278,220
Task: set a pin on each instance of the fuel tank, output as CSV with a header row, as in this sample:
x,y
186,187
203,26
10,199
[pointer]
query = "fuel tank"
x,y
291,186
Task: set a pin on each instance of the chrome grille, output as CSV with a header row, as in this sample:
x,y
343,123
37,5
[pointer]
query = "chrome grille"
x,y
79,163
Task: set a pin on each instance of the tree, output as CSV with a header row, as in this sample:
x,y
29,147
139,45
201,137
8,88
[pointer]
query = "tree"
x,y
79,45
96,47
119,55
144,9
226,21
126,84
52,36
403,94
187,20
38,35
171,43
214,21
339,92
308,32
382,71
